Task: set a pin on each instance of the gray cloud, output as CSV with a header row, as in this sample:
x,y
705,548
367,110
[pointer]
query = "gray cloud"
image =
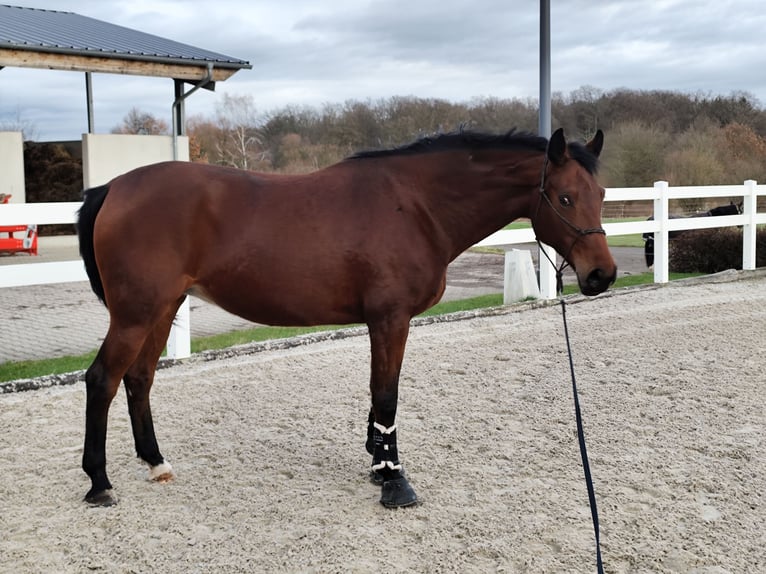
x,y
309,53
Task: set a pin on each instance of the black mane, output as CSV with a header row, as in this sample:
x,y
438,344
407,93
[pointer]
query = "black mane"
x,y
478,140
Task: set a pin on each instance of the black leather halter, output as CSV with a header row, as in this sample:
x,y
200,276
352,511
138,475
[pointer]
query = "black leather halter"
x,y
579,230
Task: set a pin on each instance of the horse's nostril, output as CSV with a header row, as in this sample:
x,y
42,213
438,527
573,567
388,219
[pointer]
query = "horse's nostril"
x,y
602,276
599,280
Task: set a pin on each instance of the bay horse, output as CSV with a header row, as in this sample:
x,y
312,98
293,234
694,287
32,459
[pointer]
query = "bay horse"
x,y
366,240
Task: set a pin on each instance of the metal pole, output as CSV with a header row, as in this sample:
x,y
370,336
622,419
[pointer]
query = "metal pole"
x,y
547,272
178,110
544,123
89,97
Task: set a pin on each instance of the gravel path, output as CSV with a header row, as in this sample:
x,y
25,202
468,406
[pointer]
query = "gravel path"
x,y
269,451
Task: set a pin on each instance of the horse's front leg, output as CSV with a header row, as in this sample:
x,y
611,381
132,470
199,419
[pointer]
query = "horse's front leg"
x,y
388,339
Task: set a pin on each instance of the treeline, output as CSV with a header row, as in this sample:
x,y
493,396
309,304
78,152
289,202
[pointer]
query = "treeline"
x,y
650,135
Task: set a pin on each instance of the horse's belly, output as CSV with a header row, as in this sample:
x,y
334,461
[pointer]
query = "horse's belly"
x,y
321,287
285,306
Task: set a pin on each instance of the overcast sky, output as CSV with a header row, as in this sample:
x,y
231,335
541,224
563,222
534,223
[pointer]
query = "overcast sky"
x,y
312,52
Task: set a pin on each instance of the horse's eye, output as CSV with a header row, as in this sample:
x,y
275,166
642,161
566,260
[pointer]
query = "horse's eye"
x,y
565,200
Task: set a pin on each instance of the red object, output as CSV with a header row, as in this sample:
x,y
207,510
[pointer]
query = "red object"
x,y
11,244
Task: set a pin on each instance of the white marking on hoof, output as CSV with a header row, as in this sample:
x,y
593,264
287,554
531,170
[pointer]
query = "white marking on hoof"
x,y
161,473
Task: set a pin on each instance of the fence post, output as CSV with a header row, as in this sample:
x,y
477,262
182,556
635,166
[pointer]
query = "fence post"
x,y
661,236
179,340
749,208
519,281
547,272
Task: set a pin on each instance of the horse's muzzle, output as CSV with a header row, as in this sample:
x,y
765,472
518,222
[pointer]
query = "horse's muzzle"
x,y
598,281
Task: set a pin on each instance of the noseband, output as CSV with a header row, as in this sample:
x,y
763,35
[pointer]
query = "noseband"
x,y
579,230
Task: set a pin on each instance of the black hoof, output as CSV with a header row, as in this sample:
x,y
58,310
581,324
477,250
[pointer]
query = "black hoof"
x,y
101,498
397,493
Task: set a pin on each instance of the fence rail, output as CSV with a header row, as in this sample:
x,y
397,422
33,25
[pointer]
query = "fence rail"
x,y
660,194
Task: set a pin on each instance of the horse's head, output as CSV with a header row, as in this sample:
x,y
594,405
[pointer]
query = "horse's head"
x,y
566,214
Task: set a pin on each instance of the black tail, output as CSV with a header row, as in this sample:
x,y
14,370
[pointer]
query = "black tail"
x,y
86,220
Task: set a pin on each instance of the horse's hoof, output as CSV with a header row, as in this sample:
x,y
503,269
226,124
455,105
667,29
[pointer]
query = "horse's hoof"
x,y
163,472
101,498
397,493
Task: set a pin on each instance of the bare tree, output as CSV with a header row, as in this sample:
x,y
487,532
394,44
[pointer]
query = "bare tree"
x,y
27,128
138,122
240,144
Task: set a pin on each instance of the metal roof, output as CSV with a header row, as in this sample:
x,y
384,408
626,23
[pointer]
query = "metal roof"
x,y
67,33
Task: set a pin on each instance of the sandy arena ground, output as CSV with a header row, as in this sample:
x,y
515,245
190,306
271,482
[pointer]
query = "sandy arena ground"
x,y
272,473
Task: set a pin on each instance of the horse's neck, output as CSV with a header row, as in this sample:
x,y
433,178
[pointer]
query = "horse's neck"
x,y
471,203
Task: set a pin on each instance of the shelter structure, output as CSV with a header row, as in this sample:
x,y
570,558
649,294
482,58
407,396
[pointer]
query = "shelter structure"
x,y
57,40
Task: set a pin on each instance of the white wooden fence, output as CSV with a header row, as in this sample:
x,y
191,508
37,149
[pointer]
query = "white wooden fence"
x,y
660,194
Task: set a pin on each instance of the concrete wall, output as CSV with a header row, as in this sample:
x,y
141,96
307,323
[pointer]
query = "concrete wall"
x,y
105,156
12,166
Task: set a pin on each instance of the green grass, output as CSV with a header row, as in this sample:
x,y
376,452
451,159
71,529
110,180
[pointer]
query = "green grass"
x,y
633,240
254,335
13,370
10,371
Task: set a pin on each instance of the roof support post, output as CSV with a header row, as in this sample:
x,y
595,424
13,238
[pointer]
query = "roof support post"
x,y
178,109
89,98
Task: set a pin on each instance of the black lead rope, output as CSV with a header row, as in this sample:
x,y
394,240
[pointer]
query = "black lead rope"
x,y
581,440
578,415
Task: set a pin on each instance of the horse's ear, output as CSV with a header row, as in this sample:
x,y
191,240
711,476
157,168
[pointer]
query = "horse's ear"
x,y
596,144
557,147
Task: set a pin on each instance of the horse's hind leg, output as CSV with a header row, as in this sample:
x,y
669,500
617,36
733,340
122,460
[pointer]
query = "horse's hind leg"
x,y
138,384
119,350
387,338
